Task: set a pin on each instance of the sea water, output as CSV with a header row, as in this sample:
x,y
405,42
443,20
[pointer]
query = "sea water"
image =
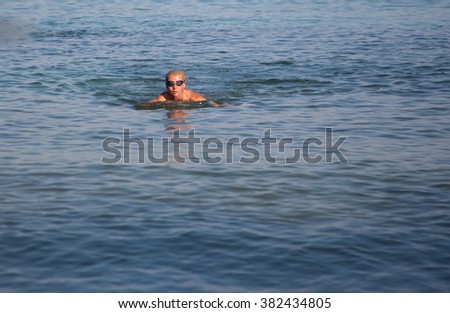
x,y
269,203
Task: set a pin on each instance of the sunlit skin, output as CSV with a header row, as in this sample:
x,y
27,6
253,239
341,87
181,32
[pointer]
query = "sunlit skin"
x,y
177,93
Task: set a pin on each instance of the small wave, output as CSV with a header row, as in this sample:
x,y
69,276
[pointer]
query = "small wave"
x,y
277,81
280,62
169,105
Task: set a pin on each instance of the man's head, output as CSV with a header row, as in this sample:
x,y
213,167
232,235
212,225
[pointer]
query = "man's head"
x,y
176,83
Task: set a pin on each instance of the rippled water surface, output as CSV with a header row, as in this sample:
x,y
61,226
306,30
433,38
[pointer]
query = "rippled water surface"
x,y
375,72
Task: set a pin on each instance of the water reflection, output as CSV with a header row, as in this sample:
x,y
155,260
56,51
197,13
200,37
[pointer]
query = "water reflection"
x,y
176,124
176,120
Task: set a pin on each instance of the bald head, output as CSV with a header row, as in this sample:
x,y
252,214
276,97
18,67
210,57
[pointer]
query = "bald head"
x,y
176,89
178,73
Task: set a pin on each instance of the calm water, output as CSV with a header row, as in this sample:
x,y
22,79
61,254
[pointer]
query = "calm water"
x,y
377,72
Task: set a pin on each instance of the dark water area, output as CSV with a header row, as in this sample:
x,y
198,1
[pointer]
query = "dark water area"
x,y
76,217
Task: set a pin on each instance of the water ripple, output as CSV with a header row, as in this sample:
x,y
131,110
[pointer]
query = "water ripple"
x,y
375,73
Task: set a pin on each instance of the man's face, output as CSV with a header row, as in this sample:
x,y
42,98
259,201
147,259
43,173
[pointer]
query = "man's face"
x,y
172,83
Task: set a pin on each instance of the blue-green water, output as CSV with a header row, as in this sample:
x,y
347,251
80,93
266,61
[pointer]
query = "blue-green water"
x,y
377,72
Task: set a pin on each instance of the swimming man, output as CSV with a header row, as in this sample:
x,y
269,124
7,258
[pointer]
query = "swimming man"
x,y
176,89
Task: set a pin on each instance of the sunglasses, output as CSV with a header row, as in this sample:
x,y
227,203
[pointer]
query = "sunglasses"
x,y
178,82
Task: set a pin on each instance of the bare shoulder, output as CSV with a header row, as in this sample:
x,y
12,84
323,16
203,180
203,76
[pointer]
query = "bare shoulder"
x,y
193,96
161,97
